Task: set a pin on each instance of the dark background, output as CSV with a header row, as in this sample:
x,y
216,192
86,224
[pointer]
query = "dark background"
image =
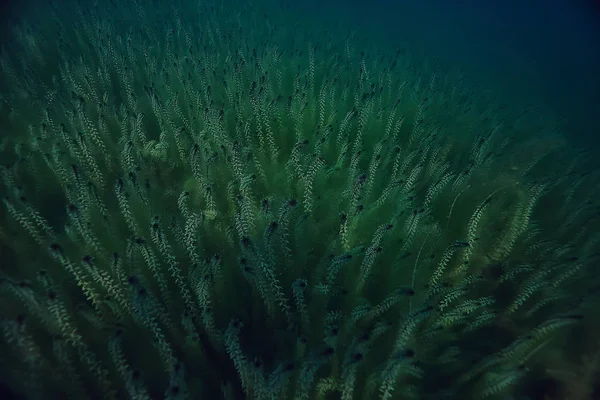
x,y
544,52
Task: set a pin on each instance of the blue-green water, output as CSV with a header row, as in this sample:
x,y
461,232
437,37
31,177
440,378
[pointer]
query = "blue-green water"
x,y
545,52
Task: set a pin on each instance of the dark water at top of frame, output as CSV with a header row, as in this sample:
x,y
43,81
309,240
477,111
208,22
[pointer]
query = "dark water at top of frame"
x,y
541,52
544,52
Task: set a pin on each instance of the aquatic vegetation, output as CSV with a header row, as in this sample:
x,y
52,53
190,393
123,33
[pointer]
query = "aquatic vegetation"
x,y
203,201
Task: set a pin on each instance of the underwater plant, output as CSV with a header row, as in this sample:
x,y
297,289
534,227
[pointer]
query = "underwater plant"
x,y
200,201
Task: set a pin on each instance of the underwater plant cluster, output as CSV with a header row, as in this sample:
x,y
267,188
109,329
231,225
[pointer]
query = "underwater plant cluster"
x,y
223,200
